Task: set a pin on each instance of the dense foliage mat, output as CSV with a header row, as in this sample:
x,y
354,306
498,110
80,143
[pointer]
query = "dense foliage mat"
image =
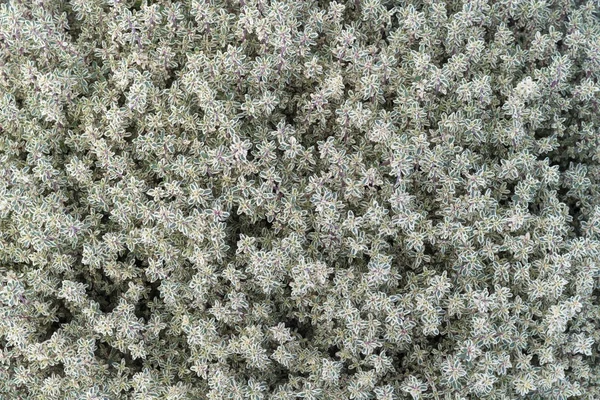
x,y
370,199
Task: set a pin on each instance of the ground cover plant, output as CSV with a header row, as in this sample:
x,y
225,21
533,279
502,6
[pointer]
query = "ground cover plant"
x,y
369,199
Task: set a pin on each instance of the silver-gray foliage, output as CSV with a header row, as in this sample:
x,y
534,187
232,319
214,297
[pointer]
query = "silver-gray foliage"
x,y
299,199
